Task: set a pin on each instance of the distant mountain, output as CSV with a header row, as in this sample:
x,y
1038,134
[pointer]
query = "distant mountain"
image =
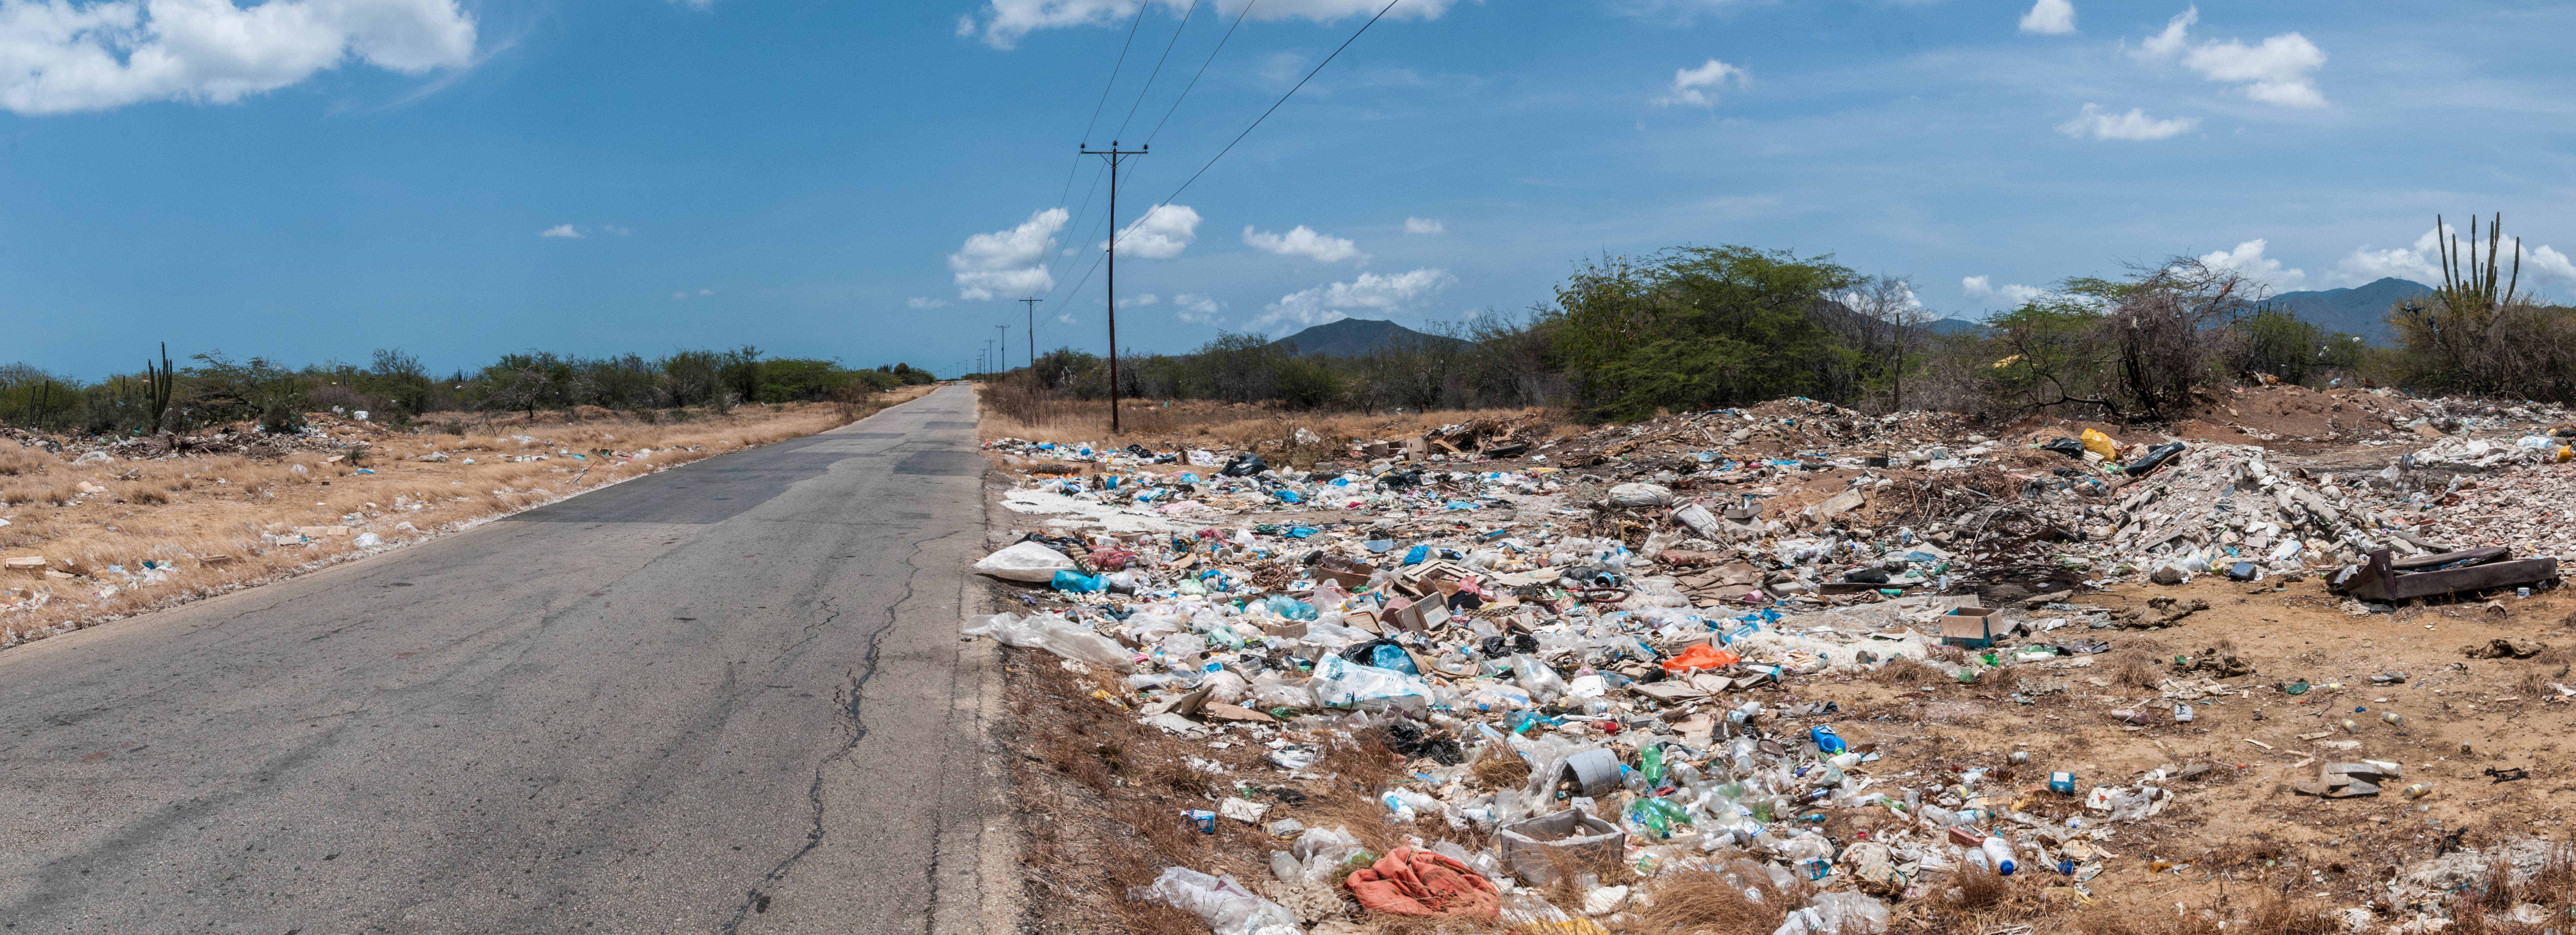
x,y
1352,337
2361,310
1951,325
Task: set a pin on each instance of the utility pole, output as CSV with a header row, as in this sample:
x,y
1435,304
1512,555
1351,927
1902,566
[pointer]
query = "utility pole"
x,y
1115,156
1006,348
1033,336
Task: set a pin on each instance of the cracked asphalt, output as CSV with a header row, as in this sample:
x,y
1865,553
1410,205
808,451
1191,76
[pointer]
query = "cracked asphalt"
x,y
729,697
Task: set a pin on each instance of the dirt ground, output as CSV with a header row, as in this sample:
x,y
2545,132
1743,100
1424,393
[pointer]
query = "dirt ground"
x,y
210,522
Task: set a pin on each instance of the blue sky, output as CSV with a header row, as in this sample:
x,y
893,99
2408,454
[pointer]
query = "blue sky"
x,y
312,179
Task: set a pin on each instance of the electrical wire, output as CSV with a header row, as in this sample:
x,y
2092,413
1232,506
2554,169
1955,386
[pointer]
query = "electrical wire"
x,y
1158,66
1274,107
1113,73
1203,67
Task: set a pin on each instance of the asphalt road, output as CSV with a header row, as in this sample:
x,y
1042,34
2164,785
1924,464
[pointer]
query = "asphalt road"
x,y
729,697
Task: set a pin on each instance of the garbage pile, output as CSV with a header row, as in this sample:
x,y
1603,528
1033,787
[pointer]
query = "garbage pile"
x,y
1597,608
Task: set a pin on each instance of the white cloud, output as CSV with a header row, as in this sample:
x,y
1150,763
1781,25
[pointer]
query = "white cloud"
x,y
561,230
1981,287
682,294
57,57
1196,309
1161,234
1134,300
924,302
698,5
1424,226
1697,85
2274,72
2248,260
2134,125
619,231
2050,18
1004,22
1303,241
1011,261
2422,261
706,292
1325,303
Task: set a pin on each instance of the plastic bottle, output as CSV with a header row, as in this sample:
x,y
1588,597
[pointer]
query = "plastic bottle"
x,y
1652,758
1999,855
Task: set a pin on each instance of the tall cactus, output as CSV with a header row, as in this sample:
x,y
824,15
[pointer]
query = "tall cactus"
x,y
162,383
2475,294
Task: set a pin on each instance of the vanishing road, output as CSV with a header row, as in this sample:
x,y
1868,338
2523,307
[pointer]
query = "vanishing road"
x,y
729,697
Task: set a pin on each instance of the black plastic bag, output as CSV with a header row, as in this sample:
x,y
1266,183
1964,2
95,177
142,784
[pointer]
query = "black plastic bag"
x,y
2065,446
1866,576
1245,465
2156,458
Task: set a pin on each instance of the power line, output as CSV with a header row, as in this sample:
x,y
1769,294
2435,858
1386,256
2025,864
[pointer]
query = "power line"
x,y
1113,71
1158,66
1105,88
1203,67
1265,115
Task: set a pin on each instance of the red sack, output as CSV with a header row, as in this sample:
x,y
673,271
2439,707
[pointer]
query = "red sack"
x,y
1701,657
1412,882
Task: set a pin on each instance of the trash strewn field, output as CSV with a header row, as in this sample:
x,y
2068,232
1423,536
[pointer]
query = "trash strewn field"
x,y
96,530
1794,669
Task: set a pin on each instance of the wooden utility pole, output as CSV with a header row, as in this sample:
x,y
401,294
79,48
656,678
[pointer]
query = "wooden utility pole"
x,y
1115,156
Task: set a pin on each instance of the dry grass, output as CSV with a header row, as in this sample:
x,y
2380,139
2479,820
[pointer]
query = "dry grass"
x,y
2135,669
1902,672
1716,902
206,514
1011,412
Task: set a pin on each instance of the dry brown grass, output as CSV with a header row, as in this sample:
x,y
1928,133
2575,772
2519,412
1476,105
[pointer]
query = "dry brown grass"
x,y
1902,672
2135,669
1501,771
1715,902
207,513
1011,412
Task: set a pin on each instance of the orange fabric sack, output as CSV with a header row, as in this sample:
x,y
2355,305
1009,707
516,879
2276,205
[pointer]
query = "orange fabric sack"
x,y
1701,657
1413,882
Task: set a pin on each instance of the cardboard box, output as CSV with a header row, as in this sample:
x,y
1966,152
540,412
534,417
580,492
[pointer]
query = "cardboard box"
x,y
1972,627
1423,616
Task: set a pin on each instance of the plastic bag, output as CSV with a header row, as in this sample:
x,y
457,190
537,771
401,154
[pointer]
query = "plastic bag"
x,y
1271,692
1636,495
1542,682
1702,656
1053,634
1341,683
1027,561
2065,446
2101,444
1849,913
1245,465
1225,905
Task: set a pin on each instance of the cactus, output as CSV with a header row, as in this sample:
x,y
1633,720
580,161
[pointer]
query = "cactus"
x,y
2475,294
161,384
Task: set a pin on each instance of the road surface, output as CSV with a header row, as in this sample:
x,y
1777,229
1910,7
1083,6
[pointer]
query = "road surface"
x,y
729,697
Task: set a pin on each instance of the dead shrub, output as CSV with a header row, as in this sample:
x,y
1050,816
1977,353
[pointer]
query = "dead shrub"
x,y
1977,889
1501,771
1713,902
2278,914
2134,670
2554,884
142,494
1902,672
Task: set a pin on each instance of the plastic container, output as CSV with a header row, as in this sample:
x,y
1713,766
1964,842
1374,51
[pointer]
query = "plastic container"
x,y
1826,740
1999,855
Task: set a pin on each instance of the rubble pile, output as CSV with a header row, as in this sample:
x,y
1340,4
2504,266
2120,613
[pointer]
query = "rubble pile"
x,y
1600,608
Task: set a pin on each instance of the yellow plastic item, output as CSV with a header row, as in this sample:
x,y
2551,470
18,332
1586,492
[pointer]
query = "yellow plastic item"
x,y
2101,444
2565,454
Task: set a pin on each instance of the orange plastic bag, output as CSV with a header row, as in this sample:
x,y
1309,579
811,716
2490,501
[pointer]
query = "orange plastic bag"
x,y
1701,657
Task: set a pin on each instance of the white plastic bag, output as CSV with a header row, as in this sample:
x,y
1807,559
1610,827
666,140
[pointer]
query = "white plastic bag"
x,y
1222,903
1028,561
1341,683
1270,691
1053,634
1849,913
1636,495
